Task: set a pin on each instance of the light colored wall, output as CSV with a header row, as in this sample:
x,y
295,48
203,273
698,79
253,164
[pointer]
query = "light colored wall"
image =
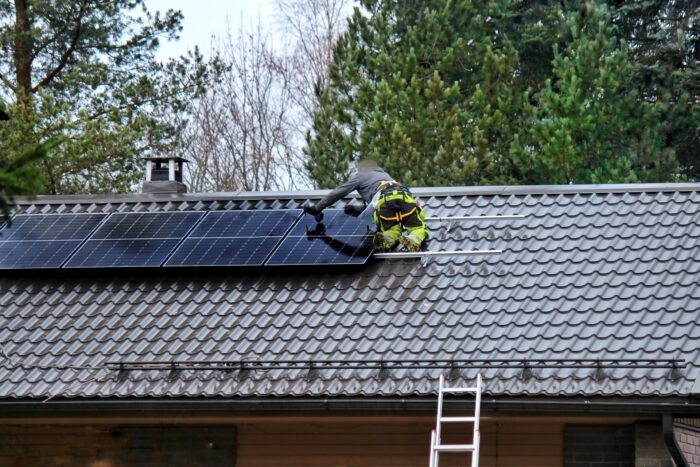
x,y
524,444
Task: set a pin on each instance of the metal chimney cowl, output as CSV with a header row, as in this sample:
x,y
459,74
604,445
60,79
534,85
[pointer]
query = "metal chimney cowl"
x,y
164,175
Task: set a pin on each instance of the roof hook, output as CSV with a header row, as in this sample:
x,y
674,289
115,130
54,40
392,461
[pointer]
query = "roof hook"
x,y
312,373
675,374
121,373
526,374
454,372
383,372
599,373
174,371
242,371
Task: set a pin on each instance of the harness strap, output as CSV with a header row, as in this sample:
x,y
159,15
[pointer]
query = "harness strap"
x,y
395,194
399,215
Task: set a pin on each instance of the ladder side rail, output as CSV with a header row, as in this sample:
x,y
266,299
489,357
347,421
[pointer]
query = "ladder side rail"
x,y
431,462
477,415
438,424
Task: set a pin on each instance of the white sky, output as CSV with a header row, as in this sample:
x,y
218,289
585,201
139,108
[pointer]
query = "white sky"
x,y
205,18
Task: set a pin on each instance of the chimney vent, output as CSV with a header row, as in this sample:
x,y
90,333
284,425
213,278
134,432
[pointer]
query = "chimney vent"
x,y
164,175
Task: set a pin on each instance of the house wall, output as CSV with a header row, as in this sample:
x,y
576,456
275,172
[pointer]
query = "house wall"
x,y
116,445
599,445
688,438
528,444
329,441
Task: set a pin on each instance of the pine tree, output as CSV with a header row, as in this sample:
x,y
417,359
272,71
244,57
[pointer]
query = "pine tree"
x,y
589,125
664,38
426,88
85,72
468,92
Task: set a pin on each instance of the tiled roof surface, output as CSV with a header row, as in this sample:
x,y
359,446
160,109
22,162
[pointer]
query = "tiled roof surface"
x,y
588,273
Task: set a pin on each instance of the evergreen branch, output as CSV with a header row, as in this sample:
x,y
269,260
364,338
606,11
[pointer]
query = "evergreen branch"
x,y
63,61
8,83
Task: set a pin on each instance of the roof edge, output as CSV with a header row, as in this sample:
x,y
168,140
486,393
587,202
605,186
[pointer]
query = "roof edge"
x,y
568,405
305,194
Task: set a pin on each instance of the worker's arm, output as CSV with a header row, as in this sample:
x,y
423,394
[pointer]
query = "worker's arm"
x,y
343,190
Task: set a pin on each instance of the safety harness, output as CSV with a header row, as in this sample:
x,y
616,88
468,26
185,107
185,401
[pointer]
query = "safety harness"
x,y
391,190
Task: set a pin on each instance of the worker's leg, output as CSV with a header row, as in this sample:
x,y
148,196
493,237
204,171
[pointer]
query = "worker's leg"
x,y
388,226
391,236
416,231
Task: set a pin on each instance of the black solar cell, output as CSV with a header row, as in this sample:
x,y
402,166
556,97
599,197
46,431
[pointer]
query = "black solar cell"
x,y
234,238
339,239
51,227
35,254
241,251
123,226
134,240
336,222
39,241
244,223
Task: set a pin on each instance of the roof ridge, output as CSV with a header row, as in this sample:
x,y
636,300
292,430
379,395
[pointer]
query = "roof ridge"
x,y
426,191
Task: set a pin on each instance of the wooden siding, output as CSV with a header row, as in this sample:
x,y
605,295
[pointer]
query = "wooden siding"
x,y
380,444
116,446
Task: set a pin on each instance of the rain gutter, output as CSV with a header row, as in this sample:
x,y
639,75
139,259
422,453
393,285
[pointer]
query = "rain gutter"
x,y
290,404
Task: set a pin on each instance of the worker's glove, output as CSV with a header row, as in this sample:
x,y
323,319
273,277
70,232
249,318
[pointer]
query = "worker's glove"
x,y
318,231
353,210
314,211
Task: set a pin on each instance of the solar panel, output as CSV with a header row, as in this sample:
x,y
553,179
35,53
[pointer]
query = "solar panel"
x,y
134,240
234,238
342,239
36,241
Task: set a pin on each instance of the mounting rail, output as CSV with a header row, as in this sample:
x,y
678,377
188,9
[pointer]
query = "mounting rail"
x,y
421,254
473,218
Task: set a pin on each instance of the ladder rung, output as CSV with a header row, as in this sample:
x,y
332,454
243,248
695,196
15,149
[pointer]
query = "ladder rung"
x,y
458,390
457,419
454,447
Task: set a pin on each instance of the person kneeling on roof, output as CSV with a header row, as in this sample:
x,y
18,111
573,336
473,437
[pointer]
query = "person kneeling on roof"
x,y
393,207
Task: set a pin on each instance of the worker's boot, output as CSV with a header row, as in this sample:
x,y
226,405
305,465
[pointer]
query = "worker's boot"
x,y
378,241
410,244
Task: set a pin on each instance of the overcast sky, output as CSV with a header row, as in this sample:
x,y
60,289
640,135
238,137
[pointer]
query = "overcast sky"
x,y
204,18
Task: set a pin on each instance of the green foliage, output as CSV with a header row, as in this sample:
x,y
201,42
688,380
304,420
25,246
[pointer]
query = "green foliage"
x,y
19,175
425,89
589,126
664,38
447,92
86,72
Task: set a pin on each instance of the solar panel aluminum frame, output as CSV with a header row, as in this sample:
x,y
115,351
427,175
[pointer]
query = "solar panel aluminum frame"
x,y
192,236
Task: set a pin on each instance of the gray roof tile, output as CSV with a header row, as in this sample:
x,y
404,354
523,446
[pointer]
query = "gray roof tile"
x,y
589,273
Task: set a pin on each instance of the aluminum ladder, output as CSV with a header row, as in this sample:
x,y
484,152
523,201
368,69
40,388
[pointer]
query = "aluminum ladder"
x,y
436,446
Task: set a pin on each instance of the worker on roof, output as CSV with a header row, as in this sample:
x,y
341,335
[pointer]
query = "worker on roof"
x,y
392,205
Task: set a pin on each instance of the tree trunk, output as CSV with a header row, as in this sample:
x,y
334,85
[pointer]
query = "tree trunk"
x,y
23,52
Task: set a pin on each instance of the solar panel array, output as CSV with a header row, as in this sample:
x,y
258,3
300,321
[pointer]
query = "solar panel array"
x,y
184,239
